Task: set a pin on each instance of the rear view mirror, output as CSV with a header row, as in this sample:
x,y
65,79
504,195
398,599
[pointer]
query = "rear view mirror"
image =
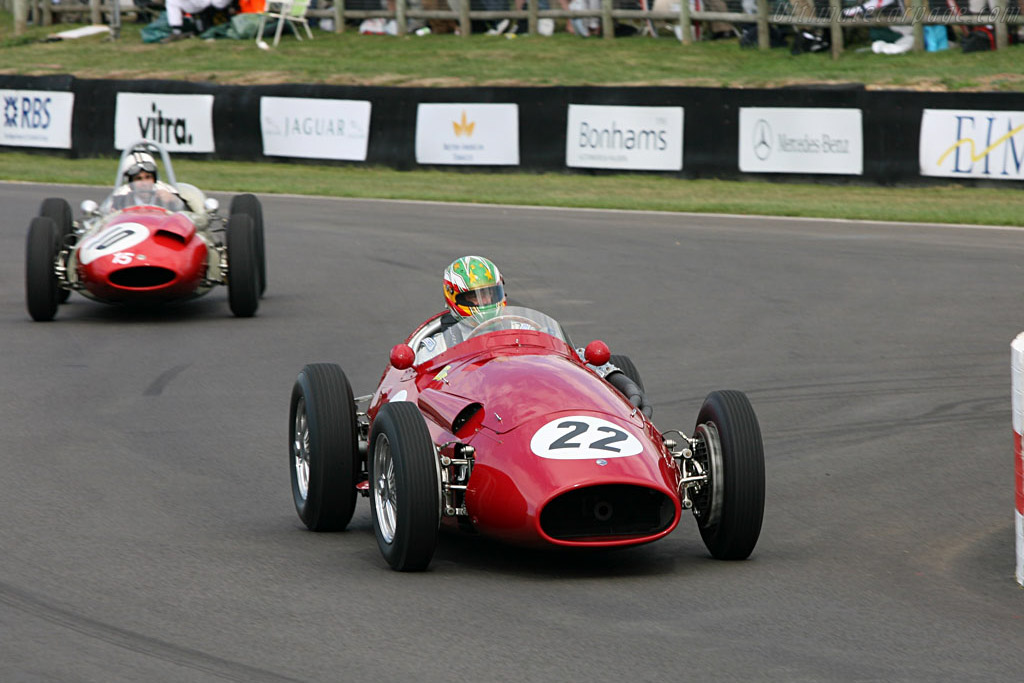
x,y
402,356
597,353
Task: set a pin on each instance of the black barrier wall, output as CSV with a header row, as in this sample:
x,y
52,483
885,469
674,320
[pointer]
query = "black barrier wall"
x,y
891,121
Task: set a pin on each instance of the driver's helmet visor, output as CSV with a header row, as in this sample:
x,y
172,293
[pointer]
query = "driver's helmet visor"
x,y
137,168
485,296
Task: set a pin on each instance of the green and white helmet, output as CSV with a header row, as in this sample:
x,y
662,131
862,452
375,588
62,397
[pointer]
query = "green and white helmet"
x,y
474,289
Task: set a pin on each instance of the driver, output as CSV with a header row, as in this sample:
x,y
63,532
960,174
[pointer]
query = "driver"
x,y
474,292
140,180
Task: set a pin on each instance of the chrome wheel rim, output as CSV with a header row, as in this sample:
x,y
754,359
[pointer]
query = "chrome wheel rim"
x,y
385,499
711,510
300,449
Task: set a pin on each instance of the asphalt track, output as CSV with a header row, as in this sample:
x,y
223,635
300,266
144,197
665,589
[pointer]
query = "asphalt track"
x,y
147,531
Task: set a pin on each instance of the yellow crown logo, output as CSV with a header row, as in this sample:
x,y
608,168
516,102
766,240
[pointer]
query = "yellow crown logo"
x,y
464,127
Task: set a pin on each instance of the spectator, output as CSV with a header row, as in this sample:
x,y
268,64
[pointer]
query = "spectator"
x,y
176,10
806,38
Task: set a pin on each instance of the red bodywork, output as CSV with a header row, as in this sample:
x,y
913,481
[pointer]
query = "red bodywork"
x,y
143,254
495,392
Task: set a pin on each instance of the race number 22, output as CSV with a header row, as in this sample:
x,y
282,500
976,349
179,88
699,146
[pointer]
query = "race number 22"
x,y
582,437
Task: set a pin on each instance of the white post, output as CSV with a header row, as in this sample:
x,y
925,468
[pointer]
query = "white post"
x,y
20,16
1017,399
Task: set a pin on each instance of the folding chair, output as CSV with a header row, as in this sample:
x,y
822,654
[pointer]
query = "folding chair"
x,y
293,11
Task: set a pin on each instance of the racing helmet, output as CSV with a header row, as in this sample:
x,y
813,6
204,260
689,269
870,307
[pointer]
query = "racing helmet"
x,y
474,289
136,163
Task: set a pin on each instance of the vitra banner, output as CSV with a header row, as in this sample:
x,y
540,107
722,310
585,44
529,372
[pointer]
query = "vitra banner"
x,y
181,123
972,144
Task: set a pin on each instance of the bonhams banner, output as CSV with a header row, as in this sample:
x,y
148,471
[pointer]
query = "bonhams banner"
x,y
181,123
315,128
972,144
636,138
36,118
467,134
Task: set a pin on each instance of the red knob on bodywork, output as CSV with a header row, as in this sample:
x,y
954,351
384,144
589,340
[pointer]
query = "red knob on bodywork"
x,y
597,352
402,356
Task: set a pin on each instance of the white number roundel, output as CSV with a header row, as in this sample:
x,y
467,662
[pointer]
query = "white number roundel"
x,y
582,437
112,240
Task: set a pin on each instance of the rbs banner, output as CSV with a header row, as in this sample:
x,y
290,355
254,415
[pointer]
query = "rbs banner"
x,y
36,118
972,144
636,138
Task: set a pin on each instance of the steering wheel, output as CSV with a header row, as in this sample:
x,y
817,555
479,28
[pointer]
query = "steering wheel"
x,y
504,322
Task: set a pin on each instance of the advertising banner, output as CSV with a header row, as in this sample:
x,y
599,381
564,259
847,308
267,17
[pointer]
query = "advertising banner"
x,y
801,140
181,123
314,128
635,138
972,144
467,134
36,118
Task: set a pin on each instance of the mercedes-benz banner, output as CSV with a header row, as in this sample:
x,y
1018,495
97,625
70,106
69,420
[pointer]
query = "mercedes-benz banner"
x,y
801,140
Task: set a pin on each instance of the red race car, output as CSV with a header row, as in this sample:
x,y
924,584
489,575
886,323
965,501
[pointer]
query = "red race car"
x,y
512,434
151,241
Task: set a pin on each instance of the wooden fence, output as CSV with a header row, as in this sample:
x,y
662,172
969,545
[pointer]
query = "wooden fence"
x,y
1004,17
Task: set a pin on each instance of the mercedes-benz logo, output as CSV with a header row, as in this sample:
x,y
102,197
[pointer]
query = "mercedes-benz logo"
x,y
762,139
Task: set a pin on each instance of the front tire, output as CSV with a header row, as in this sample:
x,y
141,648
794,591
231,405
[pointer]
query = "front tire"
x,y
243,274
323,454
249,205
42,291
59,211
405,490
729,516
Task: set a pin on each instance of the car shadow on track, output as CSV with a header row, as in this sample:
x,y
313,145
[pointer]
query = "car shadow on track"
x,y
476,553
81,310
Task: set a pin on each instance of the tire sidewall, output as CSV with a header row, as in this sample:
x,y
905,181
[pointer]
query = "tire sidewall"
x,y
42,291
243,278
250,205
58,210
330,495
742,477
418,514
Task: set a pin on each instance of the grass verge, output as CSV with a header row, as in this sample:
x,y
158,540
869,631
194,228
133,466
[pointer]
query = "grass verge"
x,y
935,204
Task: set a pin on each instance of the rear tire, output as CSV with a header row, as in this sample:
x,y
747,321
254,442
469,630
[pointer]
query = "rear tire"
x,y
728,422
243,274
624,363
42,291
250,205
59,211
405,491
323,454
